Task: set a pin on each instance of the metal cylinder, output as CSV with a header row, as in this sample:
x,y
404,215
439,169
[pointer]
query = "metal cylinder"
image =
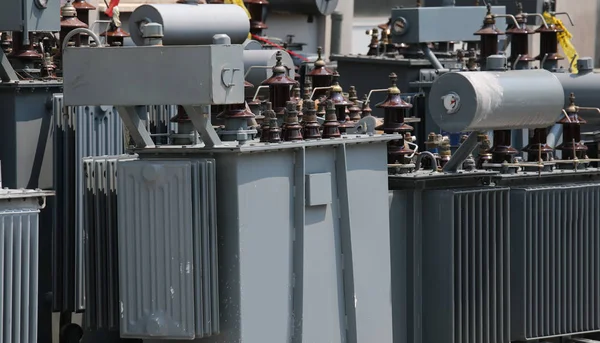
x,y
186,24
314,7
586,87
264,58
514,99
337,20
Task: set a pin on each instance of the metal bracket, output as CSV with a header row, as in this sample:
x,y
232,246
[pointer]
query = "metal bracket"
x,y
7,73
461,154
132,119
200,117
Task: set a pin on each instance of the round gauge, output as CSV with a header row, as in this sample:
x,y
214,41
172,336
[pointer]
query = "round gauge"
x,y
399,26
41,4
451,102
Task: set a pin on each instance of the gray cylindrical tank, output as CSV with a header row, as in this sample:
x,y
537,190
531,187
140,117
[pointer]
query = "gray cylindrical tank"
x,y
189,24
314,7
515,99
265,58
586,87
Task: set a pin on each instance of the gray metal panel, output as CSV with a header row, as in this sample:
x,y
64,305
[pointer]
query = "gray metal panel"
x,y
369,238
154,82
26,134
318,189
45,19
555,269
402,243
79,132
206,297
156,249
319,279
466,263
167,213
419,21
256,220
11,15
19,253
101,244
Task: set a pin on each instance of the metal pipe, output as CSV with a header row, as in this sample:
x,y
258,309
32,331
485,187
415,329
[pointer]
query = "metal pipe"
x,y
262,67
564,13
374,91
430,156
507,16
462,153
258,90
317,89
572,62
78,31
431,57
337,19
537,15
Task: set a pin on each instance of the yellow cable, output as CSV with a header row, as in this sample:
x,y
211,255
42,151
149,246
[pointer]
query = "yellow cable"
x,y
241,4
564,38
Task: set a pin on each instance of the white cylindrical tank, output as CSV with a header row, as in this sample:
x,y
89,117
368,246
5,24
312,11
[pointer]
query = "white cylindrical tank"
x,y
503,100
191,24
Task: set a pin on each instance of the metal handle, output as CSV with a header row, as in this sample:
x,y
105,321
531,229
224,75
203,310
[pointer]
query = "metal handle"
x,y
223,71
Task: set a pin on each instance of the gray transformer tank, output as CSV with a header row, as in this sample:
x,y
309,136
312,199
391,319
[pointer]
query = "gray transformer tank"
x,y
301,269
480,263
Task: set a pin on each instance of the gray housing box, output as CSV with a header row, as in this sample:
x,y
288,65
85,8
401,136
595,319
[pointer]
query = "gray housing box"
x,y
154,75
24,15
458,23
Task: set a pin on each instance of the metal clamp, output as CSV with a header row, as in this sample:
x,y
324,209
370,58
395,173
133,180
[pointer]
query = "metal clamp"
x,y
223,71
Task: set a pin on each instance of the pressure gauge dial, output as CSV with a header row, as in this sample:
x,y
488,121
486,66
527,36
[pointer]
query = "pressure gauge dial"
x,y
451,102
399,26
41,4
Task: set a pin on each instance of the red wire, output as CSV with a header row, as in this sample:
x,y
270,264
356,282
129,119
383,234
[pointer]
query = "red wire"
x,y
264,40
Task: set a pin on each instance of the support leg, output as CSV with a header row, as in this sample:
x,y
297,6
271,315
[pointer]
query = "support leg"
x,y
132,119
200,117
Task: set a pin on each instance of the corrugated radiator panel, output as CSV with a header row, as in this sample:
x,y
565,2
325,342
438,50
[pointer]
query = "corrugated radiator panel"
x,y
555,260
466,266
19,239
159,122
79,132
167,249
101,244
